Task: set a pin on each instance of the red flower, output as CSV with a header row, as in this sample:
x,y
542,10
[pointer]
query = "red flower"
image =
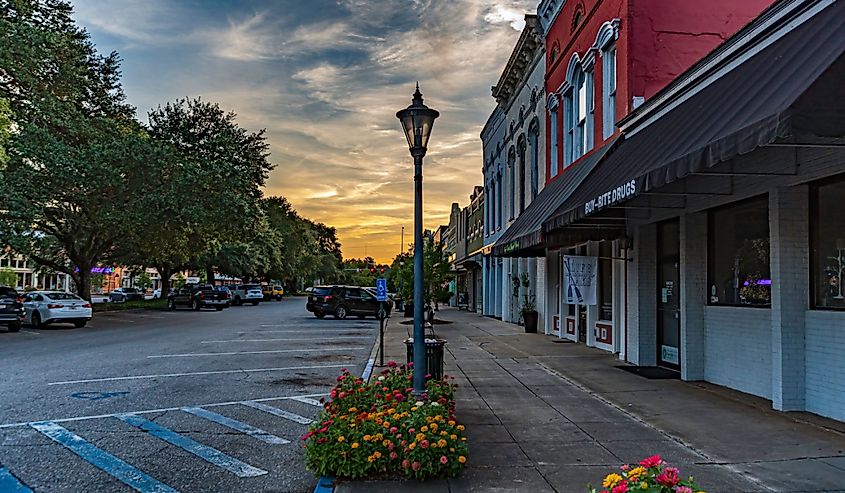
x,y
669,477
652,461
406,463
416,466
620,488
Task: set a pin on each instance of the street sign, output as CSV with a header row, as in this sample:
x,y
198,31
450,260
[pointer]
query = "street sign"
x,y
381,289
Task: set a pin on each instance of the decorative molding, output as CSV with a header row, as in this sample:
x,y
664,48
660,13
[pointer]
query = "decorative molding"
x,y
608,32
527,52
552,102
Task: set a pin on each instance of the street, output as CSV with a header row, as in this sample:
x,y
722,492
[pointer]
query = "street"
x,y
193,401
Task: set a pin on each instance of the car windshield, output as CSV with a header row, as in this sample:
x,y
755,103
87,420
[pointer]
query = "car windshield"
x,y
322,291
251,286
130,290
63,296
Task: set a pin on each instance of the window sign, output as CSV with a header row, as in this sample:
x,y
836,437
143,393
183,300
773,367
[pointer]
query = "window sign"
x,y
579,279
669,354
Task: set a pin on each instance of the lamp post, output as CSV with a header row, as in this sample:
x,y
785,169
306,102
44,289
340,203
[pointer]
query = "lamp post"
x,y
417,121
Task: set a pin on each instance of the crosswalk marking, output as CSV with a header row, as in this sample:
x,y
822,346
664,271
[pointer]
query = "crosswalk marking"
x,y
195,373
278,412
234,424
205,452
10,484
307,400
101,459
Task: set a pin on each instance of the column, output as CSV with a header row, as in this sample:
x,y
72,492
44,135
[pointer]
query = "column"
x,y
789,253
642,331
485,304
693,294
593,310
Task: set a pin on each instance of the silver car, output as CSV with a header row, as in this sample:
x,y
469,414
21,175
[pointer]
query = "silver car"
x,y
45,307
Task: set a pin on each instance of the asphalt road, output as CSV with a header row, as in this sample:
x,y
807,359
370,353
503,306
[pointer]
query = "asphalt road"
x,y
193,401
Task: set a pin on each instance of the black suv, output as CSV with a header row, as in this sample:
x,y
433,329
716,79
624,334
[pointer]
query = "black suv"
x,y
11,309
342,301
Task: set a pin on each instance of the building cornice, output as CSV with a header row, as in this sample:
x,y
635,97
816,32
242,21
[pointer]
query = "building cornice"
x,y
525,55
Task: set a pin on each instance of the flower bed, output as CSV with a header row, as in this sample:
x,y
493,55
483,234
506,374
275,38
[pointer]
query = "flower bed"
x,y
381,430
651,475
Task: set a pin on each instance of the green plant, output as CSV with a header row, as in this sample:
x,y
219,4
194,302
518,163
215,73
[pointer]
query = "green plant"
x,y
528,300
651,475
380,429
8,278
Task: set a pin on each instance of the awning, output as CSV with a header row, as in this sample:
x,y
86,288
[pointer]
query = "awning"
x,y
525,234
750,106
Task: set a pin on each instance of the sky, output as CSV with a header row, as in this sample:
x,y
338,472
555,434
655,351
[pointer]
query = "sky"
x,y
325,79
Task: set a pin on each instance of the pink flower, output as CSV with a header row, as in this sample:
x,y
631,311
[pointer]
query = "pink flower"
x,y
411,430
391,364
394,455
424,444
406,463
443,459
342,395
624,467
620,488
683,489
652,461
393,429
340,378
399,397
669,477
404,442
390,446
416,466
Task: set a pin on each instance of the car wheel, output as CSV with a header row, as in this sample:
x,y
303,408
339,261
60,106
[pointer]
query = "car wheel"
x,y
15,327
340,312
197,305
79,323
36,321
319,314
279,298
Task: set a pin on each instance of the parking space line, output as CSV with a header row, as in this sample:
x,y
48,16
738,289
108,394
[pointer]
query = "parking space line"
x,y
278,412
192,374
101,459
307,400
10,484
274,351
153,411
234,424
205,452
304,339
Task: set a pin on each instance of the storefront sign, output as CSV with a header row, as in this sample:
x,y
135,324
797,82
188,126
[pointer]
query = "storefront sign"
x,y
618,194
511,247
669,354
579,279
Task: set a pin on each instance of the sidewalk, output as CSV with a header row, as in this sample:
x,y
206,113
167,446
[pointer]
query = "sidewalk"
x,y
544,416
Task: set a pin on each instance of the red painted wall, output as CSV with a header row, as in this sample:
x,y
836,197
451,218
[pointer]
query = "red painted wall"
x,y
658,40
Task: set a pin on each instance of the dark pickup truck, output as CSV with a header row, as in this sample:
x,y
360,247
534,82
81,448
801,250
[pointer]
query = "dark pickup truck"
x,y
198,296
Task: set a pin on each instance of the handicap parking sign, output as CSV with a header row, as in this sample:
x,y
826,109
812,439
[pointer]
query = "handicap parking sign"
x,y
381,289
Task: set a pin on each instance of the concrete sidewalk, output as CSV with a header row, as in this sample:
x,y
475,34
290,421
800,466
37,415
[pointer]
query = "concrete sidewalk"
x,y
545,415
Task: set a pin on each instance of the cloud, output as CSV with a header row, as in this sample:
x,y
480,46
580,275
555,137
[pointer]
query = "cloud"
x,y
325,78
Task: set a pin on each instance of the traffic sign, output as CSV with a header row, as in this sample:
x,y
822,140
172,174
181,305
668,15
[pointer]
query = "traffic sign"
x,y
381,289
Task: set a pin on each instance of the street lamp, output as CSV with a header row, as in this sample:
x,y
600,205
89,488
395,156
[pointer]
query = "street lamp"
x,y
417,120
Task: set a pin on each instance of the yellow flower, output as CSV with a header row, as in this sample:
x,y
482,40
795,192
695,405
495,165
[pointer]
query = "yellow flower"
x,y
414,408
453,437
341,438
441,443
424,429
462,459
644,485
412,446
377,454
353,409
355,445
451,422
636,473
461,428
386,424
367,438
443,433
463,439
434,426
452,449
611,480
379,436
385,443
352,425
420,437
370,459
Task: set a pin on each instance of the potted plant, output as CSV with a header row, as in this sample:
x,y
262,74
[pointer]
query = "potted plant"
x,y
529,308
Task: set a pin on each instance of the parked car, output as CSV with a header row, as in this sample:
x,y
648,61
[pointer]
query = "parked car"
x,y
126,294
272,292
47,307
246,293
11,309
342,301
157,293
198,296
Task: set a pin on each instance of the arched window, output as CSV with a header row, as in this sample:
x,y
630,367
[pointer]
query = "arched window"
x,y
520,160
577,111
499,200
533,143
606,43
512,171
553,104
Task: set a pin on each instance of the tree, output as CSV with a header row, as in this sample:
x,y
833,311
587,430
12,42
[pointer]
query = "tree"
x,y
436,273
5,130
78,161
143,280
8,278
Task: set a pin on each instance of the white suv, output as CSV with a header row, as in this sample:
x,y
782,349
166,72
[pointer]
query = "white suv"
x,y
246,293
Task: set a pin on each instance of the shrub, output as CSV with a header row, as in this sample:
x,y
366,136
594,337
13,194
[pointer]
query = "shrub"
x,y
380,429
651,475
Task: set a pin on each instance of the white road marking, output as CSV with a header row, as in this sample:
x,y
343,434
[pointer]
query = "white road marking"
x,y
307,400
261,331
196,373
156,411
32,332
273,351
275,411
236,425
305,339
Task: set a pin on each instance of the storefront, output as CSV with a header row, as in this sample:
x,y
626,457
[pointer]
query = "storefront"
x,y
727,191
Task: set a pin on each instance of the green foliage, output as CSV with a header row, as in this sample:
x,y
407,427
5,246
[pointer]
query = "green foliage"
x,y
178,282
436,273
8,278
159,304
143,280
5,134
380,429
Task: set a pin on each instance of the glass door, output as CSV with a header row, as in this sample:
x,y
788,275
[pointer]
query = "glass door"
x,y
668,295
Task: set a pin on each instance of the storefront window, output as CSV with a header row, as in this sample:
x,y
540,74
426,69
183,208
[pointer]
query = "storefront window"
x,y
605,286
828,246
738,263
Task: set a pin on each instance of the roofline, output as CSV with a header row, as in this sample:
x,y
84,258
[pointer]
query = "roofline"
x,y
772,24
529,30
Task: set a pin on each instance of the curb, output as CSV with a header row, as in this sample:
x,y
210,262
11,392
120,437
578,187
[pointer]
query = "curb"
x,y
325,484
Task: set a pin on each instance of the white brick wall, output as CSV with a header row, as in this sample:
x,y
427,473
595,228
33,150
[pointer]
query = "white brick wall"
x,y
738,348
825,364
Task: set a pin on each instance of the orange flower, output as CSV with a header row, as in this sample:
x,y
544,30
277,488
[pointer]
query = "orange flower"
x,y
462,459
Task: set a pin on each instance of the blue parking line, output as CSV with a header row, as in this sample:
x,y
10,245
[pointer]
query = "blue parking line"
x,y
210,454
236,425
101,459
10,484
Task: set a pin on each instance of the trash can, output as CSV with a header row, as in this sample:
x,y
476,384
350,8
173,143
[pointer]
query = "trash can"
x,y
433,355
